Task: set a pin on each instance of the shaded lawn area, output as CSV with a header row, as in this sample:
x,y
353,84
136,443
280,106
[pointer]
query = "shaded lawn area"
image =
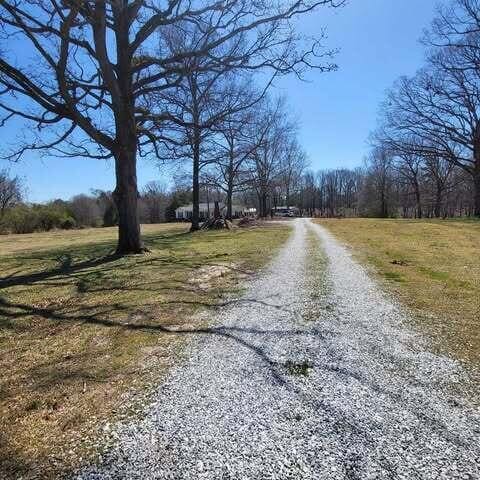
x,y
433,265
80,328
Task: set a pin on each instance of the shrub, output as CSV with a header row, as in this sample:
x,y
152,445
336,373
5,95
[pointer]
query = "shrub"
x,y
50,216
20,219
30,218
68,223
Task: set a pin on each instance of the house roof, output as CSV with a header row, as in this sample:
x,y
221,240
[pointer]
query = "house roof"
x,y
211,206
202,206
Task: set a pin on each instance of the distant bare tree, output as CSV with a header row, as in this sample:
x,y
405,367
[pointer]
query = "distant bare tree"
x,y
86,210
234,142
294,162
378,183
439,172
155,199
10,191
409,166
265,165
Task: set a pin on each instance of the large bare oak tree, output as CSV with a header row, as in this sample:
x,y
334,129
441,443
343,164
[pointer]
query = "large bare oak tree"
x,y
82,72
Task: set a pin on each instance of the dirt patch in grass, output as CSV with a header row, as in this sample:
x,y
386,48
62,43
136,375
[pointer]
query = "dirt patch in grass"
x,y
207,276
433,266
82,330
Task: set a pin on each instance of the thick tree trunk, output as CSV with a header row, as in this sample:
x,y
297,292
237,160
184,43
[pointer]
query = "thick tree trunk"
x,y
229,202
231,179
195,182
125,196
476,191
216,211
263,205
418,200
383,205
438,200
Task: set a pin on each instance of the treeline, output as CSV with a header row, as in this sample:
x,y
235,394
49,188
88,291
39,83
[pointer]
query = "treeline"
x,y
382,189
425,159
19,216
156,204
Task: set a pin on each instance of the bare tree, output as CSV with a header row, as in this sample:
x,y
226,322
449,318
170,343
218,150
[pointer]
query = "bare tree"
x,y
10,191
196,108
265,164
234,142
96,63
155,199
294,162
454,23
377,189
408,166
439,108
439,172
86,210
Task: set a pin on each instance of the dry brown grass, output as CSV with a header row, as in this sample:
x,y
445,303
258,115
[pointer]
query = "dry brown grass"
x,y
434,266
80,328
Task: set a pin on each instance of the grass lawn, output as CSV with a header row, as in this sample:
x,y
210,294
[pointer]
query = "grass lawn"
x,y
81,328
433,265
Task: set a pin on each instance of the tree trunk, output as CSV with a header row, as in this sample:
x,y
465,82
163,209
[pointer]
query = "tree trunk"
x,y
263,205
229,202
216,211
476,172
476,190
125,196
208,203
438,200
383,205
418,199
195,183
230,181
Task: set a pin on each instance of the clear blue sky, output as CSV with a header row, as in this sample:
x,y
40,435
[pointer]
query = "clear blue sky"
x,y
378,41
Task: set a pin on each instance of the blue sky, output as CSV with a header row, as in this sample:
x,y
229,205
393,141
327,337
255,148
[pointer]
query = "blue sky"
x,y
378,41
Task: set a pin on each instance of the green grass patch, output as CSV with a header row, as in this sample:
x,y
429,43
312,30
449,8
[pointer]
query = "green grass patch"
x,y
394,277
433,266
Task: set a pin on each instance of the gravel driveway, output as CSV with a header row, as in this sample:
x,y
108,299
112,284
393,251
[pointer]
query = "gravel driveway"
x,y
268,393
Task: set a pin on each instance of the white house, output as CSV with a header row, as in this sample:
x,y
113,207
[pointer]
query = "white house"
x,y
207,209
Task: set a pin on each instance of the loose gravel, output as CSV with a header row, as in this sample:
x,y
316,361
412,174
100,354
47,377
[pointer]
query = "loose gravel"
x,y
269,393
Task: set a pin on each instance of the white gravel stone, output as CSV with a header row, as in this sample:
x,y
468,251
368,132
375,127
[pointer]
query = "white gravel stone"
x,y
374,406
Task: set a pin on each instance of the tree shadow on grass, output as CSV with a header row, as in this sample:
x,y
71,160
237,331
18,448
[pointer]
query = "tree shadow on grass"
x,y
101,255
66,267
43,375
11,311
340,422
